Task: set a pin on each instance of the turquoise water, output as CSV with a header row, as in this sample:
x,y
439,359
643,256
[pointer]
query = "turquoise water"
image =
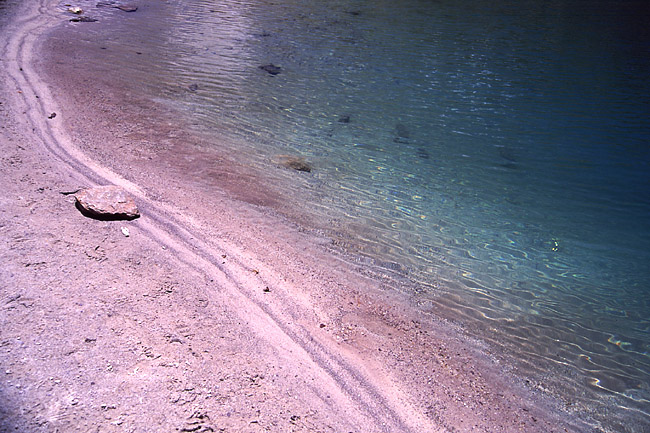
x,y
494,154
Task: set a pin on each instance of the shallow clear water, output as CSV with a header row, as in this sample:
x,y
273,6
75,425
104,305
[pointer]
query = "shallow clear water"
x,y
495,153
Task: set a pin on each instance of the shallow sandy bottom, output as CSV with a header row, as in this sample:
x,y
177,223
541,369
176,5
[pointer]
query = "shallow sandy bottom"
x,y
215,313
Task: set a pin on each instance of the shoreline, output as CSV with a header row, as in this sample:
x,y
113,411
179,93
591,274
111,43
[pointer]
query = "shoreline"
x,y
187,265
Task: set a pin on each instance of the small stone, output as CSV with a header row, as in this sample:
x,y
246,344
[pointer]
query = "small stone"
x,y
106,202
402,131
83,20
271,69
127,8
75,10
299,165
295,162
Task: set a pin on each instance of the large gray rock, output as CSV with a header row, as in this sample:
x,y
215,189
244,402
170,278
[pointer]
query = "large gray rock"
x,y
106,202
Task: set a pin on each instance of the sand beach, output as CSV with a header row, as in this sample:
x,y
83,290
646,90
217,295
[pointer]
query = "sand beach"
x,y
215,313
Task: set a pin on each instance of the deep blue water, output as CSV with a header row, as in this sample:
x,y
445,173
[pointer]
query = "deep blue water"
x,y
496,153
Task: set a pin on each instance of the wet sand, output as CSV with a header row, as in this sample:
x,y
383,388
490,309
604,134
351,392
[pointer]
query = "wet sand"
x,y
216,313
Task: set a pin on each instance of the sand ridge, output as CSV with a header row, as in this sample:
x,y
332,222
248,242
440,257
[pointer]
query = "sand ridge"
x,y
190,326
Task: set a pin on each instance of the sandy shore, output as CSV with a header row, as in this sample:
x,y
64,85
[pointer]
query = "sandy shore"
x,y
215,314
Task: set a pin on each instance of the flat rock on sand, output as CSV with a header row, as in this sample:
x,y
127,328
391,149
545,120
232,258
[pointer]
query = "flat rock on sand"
x,y
108,201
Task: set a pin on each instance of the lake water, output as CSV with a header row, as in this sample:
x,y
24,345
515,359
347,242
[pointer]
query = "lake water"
x,y
492,155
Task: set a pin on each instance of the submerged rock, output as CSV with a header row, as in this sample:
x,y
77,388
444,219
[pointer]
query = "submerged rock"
x,y
422,153
271,69
127,8
106,202
112,4
344,119
83,20
508,154
295,163
402,131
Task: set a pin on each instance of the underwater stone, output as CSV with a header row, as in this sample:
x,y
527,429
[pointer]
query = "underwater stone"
x,y
127,8
402,131
295,162
271,69
83,20
422,153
